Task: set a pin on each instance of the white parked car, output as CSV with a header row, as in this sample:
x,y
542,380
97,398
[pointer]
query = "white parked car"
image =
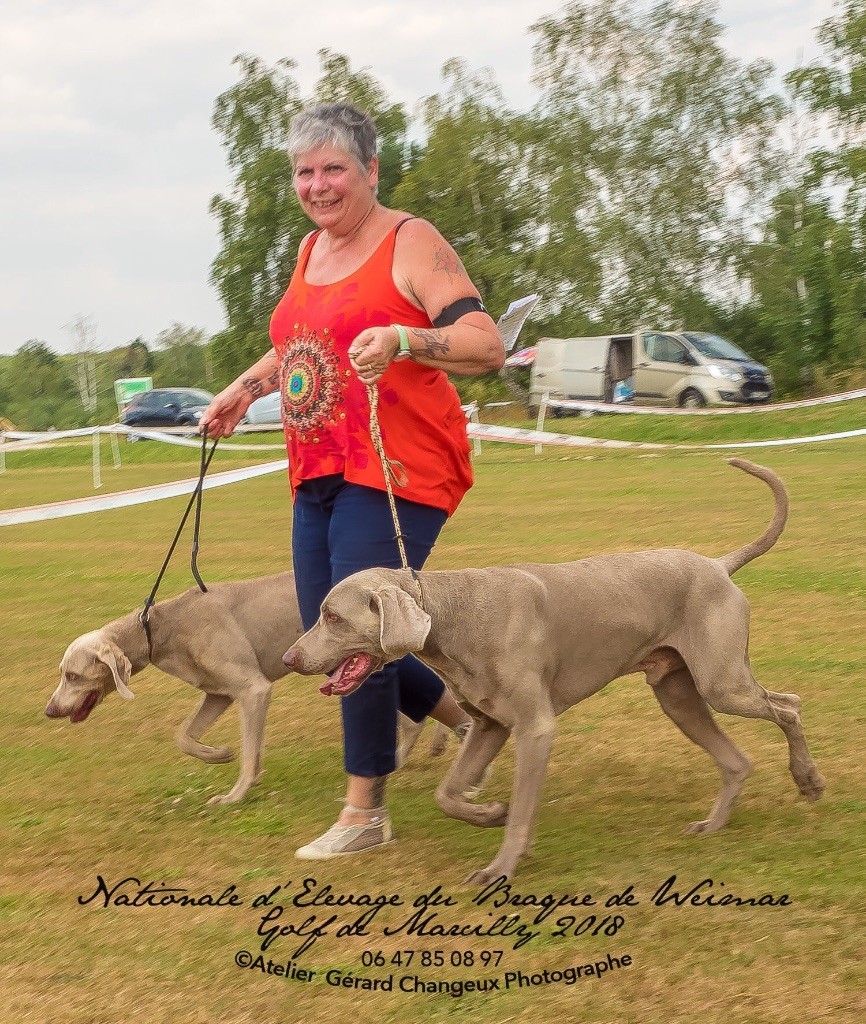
x,y
264,410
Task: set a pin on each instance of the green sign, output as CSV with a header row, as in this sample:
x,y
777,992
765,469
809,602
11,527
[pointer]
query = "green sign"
x,y
125,390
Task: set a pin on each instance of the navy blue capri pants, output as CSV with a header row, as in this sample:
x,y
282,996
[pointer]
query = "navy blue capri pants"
x,y
340,528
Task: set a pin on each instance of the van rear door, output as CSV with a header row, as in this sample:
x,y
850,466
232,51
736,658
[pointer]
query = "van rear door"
x,y
545,374
584,367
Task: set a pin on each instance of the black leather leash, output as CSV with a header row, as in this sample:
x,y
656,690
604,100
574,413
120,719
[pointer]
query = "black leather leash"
x,y
195,499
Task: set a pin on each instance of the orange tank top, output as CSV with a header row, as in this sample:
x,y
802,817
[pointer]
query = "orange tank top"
x,y
326,414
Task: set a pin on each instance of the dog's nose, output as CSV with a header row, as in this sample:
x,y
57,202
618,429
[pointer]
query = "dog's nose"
x,y
292,660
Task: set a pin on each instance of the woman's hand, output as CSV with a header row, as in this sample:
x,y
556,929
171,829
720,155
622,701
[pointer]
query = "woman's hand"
x,y
225,412
372,351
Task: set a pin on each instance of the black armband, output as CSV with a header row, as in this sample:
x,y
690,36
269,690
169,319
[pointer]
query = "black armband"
x,y
451,314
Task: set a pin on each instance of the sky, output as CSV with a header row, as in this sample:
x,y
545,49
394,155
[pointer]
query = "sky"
x,y
108,160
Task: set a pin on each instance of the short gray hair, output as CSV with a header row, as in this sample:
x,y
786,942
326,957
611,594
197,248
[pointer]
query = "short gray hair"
x,y
336,124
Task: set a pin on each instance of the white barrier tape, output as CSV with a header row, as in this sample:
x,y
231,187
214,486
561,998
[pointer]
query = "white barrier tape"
x,y
26,441
50,435
518,435
796,440
187,442
491,432
645,410
140,496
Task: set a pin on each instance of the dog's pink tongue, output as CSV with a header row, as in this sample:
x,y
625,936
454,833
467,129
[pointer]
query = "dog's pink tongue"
x,y
348,676
87,705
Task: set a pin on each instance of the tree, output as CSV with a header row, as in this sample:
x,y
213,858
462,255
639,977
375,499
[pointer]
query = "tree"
x,y
260,223
650,139
40,394
468,181
184,362
83,331
837,91
132,360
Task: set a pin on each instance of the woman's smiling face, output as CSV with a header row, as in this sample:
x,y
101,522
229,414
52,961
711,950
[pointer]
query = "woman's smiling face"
x,y
333,188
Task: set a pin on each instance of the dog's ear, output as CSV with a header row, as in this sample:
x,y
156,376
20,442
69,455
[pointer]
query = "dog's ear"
x,y
403,624
120,665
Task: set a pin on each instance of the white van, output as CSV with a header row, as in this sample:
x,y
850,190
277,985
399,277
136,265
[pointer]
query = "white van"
x,y
690,369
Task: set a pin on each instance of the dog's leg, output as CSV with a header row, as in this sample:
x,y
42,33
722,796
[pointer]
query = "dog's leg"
x,y
533,740
192,730
440,740
486,738
409,733
681,702
253,702
744,695
786,708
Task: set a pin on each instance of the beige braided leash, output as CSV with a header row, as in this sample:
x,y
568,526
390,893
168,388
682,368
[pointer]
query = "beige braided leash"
x,y
395,471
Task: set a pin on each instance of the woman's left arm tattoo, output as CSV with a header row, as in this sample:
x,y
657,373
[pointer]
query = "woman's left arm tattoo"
x,y
436,342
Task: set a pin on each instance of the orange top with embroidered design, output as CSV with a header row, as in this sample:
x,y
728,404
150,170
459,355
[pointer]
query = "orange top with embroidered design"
x,y
325,410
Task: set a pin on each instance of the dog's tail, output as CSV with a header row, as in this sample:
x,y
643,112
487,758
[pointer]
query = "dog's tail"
x,y
737,559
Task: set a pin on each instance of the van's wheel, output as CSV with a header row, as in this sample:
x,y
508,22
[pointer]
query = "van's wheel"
x,y
692,399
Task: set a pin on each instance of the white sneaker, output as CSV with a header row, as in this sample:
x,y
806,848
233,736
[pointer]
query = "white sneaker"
x,y
344,840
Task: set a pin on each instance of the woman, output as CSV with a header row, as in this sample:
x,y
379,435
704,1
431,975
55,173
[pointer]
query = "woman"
x,y
377,298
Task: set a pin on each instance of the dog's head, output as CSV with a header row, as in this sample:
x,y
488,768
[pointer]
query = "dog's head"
x,y
91,668
366,621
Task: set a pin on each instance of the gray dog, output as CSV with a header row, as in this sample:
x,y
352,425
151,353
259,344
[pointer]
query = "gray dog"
x,y
518,645
227,642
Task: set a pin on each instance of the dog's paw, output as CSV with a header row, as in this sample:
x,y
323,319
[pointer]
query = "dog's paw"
x,y
811,784
703,828
226,798
492,873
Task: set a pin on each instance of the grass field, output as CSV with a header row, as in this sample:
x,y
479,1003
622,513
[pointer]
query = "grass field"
x,y
114,797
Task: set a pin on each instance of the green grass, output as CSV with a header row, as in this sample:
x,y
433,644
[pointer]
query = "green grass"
x,y
113,796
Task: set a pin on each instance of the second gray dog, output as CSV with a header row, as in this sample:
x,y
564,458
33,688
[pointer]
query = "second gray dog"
x,y
227,642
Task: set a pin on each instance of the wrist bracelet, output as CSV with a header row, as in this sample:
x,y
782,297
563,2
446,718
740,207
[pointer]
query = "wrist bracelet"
x,y
403,352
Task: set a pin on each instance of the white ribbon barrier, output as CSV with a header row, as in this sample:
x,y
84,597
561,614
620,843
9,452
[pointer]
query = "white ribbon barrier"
x,y
740,410
28,440
22,441
188,442
476,431
539,438
140,496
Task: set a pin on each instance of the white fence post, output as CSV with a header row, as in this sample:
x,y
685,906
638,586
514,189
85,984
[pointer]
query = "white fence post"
x,y
539,426
115,448
97,467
